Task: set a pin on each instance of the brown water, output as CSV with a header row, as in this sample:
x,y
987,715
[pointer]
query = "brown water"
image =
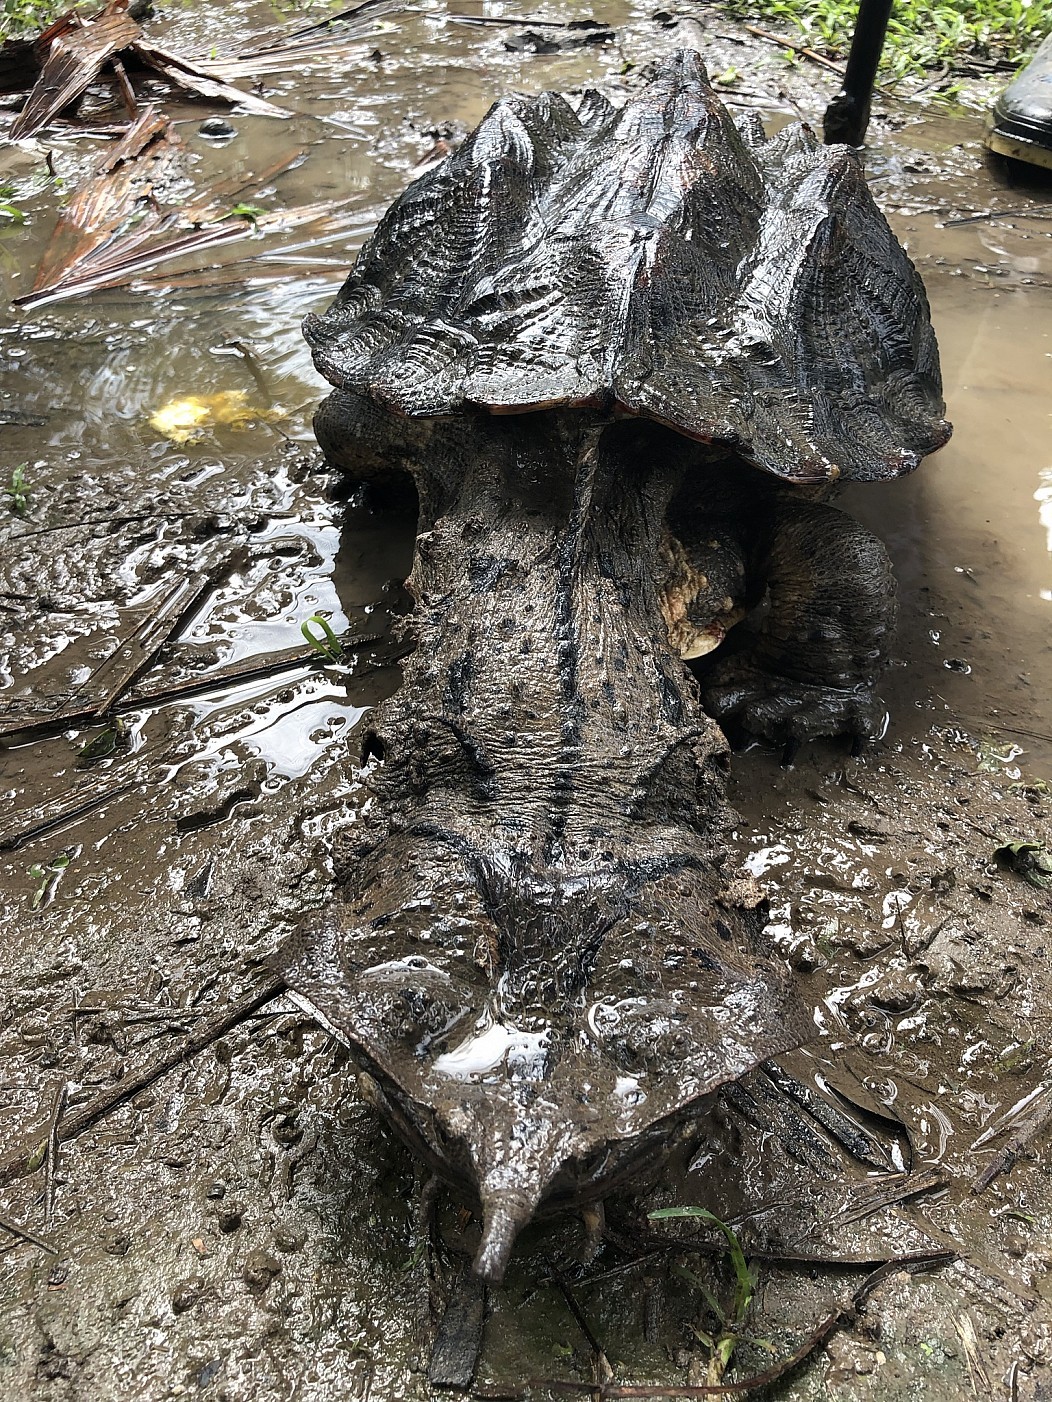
x,y
970,533
213,827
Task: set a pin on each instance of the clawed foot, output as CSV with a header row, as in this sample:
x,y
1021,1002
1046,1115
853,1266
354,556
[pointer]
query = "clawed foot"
x,y
761,705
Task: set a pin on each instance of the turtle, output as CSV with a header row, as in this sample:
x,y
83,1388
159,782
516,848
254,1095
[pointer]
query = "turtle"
x,y
619,355
664,262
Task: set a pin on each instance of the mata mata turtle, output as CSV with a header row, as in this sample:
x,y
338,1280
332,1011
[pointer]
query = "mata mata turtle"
x,y
618,353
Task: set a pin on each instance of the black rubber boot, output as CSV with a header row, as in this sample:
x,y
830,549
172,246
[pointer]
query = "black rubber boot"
x,y
1020,124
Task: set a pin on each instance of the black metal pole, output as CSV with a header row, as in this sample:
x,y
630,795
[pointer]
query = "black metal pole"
x,y
847,116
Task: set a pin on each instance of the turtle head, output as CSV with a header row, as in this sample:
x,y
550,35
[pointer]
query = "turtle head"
x,y
554,1039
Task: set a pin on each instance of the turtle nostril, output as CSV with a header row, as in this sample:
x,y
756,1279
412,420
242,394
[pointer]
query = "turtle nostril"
x,y
372,747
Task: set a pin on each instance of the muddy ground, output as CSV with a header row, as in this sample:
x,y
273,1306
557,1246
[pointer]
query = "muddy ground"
x,y
245,1227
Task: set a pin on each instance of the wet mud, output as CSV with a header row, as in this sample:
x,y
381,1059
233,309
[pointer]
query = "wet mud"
x,y
246,1226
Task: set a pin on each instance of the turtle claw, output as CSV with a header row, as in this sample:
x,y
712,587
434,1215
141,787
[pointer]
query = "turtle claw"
x,y
782,711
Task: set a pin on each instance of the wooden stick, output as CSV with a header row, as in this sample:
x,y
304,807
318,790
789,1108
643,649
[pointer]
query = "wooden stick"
x,y
17,1229
247,669
27,1160
796,47
1039,1119
126,90
51,1162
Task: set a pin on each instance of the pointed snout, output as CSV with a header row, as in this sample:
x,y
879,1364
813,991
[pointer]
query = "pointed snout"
x,y
505,1211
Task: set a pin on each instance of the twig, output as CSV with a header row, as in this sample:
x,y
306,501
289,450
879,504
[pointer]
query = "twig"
x,y
796,47
1024,212
51,1162
122,271
603,1372
129,658
786,1260
247,669
16,1229
509,21
837,1319
289,40
932,82
25,1161
183,74
254,368
84,799
812,54
987,723
855,1138
126,90
113,522
910,1185
1030,1128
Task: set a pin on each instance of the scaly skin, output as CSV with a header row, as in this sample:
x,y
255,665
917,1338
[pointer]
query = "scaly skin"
x,y
537,957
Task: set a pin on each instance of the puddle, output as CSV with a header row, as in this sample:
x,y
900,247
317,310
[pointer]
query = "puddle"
x,y
214,826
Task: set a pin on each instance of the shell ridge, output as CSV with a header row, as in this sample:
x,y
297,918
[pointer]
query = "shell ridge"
x,y
735,287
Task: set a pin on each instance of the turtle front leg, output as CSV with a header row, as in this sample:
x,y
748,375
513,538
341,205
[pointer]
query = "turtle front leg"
x,y
810,668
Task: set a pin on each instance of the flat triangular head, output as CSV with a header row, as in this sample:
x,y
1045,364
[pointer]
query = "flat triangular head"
x,y
537,1040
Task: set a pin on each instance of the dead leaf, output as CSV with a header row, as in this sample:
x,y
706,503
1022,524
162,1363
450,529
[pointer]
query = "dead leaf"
x,y
75,51
74,61
180,420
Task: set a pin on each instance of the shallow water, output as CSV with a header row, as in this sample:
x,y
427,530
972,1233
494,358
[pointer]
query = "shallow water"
x,y
214,825
970,532
970,542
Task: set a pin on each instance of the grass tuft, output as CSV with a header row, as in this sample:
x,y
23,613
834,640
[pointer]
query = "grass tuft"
x,y
18,489
722,1342
328,644
21,19
920,36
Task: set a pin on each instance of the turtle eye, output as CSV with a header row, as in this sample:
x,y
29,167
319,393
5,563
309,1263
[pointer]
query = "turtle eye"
x,y
639,1034
420,1017
420,1006
410,1006
592,1167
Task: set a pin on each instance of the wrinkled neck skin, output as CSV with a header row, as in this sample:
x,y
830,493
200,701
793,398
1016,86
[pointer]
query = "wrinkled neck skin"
x,y
537,958
544,719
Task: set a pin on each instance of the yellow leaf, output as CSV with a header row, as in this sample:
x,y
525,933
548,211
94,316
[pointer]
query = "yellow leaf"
x,y
182,419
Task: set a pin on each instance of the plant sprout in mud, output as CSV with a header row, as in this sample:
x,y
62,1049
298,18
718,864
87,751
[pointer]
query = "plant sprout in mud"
x,y
328,645
18,490
47,879
919,36
722,1343
251,213
8,209
115,737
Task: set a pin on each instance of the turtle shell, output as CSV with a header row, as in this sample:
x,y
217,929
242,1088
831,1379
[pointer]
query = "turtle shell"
x,y
655,259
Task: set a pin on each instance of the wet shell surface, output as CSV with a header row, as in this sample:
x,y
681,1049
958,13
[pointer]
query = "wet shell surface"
x,y
658,259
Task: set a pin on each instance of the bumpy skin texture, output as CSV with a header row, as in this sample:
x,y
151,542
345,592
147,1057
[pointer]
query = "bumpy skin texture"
x,y
538,957
811,668
658,259
806,668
